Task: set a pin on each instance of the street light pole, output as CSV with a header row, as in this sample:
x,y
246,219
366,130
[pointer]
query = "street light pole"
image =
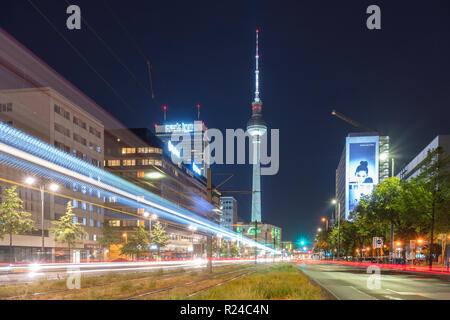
x,y
42,219
339,229
53,187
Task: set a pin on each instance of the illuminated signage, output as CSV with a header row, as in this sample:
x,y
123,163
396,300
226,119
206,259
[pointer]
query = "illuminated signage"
x,y
179,127
253,230
174,150
361,173
196,169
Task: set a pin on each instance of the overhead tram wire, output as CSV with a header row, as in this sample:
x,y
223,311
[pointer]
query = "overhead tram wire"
x,y
135,44
115,55
128,105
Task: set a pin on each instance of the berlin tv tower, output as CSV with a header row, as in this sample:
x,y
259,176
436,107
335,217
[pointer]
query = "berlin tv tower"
x,y
256,127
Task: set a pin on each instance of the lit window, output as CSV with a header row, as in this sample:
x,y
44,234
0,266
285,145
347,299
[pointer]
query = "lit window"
x,y
129,162
128,150
113,163
140,174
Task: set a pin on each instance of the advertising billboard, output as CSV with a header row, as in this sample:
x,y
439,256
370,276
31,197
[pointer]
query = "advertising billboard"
x,y
361,174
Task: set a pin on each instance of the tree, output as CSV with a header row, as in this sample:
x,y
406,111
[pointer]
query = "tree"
x,y
136,243
322,241
66,230
108,238
383,205
13,220
234,249
159,236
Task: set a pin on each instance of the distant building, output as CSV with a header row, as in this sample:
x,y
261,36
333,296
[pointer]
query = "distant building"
x,y
412,169
48,116
287,246
229,212
360,169
263,233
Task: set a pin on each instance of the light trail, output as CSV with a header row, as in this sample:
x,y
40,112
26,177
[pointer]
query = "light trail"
x,y
386,266
31,150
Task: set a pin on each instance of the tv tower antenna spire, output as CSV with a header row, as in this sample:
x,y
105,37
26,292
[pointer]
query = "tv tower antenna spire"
x,y
257,68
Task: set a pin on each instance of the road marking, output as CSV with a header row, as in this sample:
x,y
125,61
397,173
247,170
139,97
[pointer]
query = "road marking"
x,y
393,291
366,294
393,298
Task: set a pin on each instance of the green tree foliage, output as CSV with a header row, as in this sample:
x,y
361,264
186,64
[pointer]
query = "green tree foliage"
x,y
13,219
136,243
109,237
234,249
322,240
66,230
159,236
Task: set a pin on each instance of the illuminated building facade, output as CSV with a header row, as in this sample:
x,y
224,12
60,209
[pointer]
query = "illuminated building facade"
x,y
140,157
264,233
360,169
411,170
45,114
195,130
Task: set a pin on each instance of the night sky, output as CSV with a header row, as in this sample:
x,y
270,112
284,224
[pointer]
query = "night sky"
x,y
315,56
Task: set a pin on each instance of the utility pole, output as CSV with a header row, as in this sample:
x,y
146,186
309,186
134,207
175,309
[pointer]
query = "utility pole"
x,y
208,237
256,240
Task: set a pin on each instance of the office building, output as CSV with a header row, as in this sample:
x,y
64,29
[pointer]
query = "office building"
x,y
47,115
140,157
228,207
412,169
264,233
359,170
192,130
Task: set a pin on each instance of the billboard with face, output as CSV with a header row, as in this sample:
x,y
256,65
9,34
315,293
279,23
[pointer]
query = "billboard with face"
x,y
361,169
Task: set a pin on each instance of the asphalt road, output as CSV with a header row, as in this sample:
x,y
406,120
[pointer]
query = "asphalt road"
x,y
355,283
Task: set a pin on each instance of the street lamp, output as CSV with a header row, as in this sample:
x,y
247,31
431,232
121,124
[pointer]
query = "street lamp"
x,y
326,222
193,229
338,204
150,218
154,175
52,187
319,229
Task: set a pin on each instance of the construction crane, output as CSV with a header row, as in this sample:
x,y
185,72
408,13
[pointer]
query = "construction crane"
x,y
350,121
